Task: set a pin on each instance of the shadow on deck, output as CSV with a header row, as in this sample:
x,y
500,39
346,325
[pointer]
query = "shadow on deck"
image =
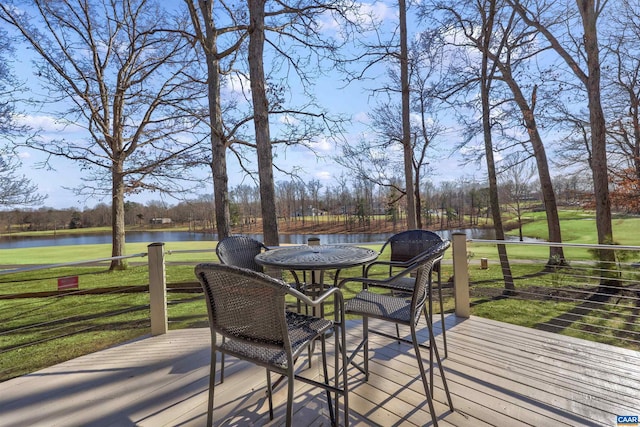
x,y
499,374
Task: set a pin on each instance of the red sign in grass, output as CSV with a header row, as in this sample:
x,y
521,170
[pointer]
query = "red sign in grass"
x,y
70,282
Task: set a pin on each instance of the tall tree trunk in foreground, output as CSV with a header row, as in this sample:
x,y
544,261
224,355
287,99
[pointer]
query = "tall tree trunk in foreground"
x,y
407,148
117,216
485,82
261,122
218,143
589,13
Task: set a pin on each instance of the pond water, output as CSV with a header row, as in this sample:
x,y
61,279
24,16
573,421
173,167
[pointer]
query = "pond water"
x,y
177,236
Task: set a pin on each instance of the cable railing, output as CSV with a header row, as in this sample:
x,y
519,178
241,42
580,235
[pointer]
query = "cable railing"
x,y
581,296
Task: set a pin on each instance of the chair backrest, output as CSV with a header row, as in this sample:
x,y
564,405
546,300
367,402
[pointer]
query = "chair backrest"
x,y
245,305
240,251
423,265
408,244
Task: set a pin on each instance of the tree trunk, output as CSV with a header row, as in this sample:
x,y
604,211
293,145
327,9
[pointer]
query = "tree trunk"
x,y
418,200
261,122
598,143
485,81
591,80
218,147
117,217
556,254
406,125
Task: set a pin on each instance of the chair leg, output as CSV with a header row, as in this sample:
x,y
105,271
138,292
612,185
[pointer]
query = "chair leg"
x,y
222,364
341,347
428,319
270,394
365,337
212,384
444,330
423,374
290,381
440,368
325,374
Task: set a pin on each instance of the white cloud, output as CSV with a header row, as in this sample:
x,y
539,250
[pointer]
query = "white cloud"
x,y
369,15
47,123
379,10
362,117
288,119
322,144
237,84
323,175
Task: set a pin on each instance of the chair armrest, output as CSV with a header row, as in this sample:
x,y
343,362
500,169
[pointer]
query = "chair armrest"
x,y
317,302
386,283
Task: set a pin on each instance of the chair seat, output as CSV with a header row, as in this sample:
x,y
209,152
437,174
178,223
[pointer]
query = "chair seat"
x,y
302,329
380,306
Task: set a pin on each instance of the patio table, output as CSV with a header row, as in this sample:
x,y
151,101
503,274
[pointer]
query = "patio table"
x,y
316,259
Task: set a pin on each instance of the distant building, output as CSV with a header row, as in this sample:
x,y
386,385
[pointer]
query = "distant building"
x,y
160,221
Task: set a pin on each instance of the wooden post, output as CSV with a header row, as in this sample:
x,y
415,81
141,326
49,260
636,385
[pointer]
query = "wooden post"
x,y
157,289
316,276
315,288
461,275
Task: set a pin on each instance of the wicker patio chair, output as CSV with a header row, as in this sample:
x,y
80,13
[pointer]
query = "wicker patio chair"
x,y
248,309
405,246
240,251
403,311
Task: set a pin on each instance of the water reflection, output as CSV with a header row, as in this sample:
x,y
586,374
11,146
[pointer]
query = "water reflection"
x,y
177,236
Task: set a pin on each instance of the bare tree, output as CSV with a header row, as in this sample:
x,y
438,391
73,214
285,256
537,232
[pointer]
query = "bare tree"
x,y
480,28
15,189
292,31
208,34
515,180
621,87
516,50
583,47
261,121
487,71
407,150
376,159
122,76
314,187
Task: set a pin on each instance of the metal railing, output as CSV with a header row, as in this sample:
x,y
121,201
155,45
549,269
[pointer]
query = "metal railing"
x,y
580,296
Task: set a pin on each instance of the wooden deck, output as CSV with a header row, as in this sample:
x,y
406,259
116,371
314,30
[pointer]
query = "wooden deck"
x,y
499,374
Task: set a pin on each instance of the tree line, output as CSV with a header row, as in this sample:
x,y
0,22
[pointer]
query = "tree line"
x,y
354,207
163,90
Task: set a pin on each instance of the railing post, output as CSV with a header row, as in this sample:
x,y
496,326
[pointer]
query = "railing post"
x,y
316,276
157,289
461,275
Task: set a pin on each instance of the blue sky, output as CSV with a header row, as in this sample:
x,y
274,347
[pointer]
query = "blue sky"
x,y
353,101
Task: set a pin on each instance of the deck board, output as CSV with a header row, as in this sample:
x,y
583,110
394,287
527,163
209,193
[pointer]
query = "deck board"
x,y
498,374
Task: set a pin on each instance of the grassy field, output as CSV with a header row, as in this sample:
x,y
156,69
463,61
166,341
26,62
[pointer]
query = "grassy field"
x,y
42,327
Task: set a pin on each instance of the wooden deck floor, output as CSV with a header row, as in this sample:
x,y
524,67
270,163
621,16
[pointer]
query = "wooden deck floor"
x,y
499,374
